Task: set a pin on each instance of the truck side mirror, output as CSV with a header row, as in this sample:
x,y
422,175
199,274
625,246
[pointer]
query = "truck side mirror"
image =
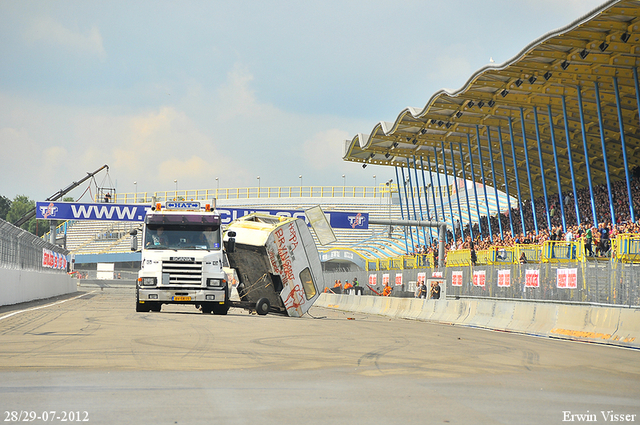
x,y
231,243
134,240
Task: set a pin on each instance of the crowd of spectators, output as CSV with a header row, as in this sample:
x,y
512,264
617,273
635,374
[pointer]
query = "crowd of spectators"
x,y
596,236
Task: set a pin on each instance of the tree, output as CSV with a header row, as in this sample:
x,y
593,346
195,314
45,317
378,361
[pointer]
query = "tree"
x,y
19,207
5,206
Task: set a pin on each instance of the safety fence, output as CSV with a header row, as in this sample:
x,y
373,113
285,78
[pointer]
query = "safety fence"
x,y
585,282
606,282
22,250
402,262
379,191
623,248
402,281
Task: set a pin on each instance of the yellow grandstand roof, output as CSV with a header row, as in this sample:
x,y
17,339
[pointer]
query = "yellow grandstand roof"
x,y
547,75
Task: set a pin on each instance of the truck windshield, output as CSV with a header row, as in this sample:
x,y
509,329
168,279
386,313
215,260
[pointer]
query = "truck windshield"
x,y
178,236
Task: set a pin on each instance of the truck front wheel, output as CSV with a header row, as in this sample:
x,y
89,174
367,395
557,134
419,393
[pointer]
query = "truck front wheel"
x,y
141,307
221,309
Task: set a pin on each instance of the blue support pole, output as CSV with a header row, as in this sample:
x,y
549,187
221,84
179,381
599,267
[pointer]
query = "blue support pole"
x,y
555,160
406,196
455,184
604,154
426,199
413,202
406,245
573,176
475,190
506,183
433,190
624,146
526,160
415,170
466,192
495,183
637,86
586,157
515,172
484,184
544,182
435,155
444,165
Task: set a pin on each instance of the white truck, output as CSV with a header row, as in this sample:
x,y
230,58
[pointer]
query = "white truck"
x,y
182,258
275,259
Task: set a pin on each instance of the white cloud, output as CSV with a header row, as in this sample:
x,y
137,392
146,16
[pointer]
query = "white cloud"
x,y
154,148
325,149
226,132
451,68
47,30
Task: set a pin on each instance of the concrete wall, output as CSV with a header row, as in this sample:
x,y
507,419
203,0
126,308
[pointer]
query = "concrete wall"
x,y
609,325
17,286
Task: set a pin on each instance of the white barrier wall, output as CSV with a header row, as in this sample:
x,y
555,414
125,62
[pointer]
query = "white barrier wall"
x,y
18,286
610,325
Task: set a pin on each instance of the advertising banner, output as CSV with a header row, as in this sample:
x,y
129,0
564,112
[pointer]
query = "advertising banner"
x,y
75,211
398,279
385,279
504,278
479,278
567,278
53,260
456,278
373,279
137,212
422,277
532,279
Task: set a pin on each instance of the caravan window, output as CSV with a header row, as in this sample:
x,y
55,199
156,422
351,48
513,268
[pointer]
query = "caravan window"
x,y
307,283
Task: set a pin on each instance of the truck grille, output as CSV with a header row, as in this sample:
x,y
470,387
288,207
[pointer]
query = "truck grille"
x,y
183,273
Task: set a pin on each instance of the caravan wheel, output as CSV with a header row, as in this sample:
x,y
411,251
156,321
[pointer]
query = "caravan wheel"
x,y
262,306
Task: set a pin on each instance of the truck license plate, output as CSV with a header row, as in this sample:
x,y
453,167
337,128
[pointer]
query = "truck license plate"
x,y
182,298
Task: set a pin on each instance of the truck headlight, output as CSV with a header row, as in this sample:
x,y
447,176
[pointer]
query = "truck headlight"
x,y
147,281
215,282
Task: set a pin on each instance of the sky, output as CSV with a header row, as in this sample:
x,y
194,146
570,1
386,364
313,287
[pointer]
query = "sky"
x,y
190,91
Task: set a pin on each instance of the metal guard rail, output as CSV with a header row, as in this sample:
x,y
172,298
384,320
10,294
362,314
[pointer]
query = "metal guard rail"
x,y
625,248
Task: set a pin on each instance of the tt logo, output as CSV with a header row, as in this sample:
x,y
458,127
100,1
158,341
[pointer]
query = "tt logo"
x,y
356,221
49,211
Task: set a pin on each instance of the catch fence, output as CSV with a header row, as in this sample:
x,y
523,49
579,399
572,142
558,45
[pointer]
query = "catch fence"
x,y
22,250
592,282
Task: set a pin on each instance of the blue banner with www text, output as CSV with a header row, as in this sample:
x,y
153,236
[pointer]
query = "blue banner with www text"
x,y
137,212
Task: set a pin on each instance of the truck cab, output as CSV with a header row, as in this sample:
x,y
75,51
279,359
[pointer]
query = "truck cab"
x,y
182,258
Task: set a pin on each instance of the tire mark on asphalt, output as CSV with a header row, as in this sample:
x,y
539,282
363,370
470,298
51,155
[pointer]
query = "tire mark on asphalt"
x,y
6,316
376,355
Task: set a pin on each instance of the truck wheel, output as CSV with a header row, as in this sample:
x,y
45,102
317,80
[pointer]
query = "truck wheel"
x,y
207,309
141,307
221,309
156,307
262,306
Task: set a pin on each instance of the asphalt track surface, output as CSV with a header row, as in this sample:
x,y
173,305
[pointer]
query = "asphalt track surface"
x,y
91,354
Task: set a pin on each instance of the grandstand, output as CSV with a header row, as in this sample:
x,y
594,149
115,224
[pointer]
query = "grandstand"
x,y
555,125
